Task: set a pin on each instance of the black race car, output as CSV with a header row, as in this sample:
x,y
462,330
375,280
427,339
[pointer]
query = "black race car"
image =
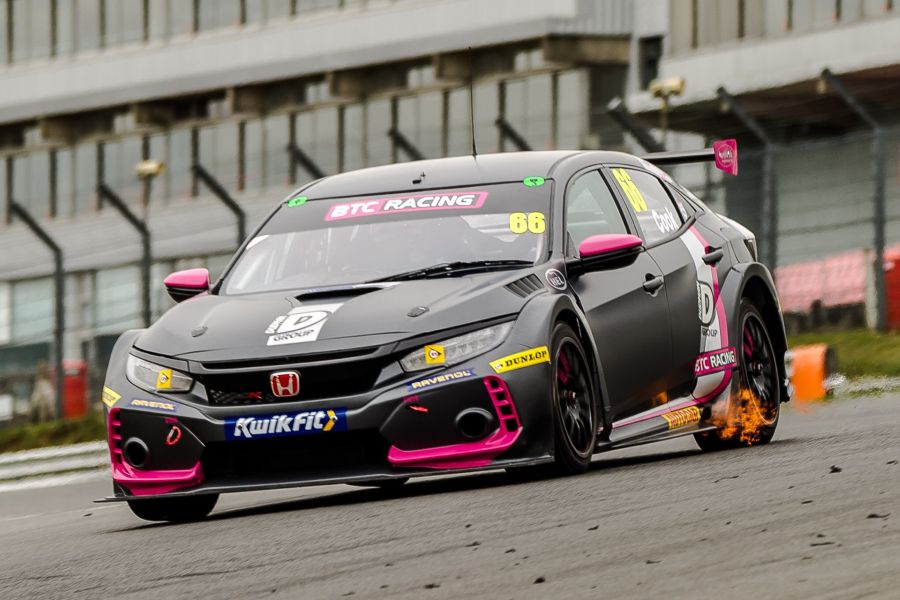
x,y
517,311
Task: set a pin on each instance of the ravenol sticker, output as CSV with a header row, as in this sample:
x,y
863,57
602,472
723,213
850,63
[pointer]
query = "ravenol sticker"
x,y
441,379
717,360
520,360
533,181
285,424
153,405
434,355
109,397
302,324
402,204
298,201
680,418
164,379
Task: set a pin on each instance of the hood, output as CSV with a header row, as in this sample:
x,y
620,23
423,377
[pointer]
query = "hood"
x,y
222,328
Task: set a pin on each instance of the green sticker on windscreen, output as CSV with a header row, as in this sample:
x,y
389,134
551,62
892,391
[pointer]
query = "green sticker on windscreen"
x,y
533,181
298,201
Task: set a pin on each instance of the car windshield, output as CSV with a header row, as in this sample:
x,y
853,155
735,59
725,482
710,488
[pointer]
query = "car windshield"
x,y
313,242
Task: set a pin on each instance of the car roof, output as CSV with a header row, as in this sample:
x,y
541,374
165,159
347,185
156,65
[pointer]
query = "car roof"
x,y
444,173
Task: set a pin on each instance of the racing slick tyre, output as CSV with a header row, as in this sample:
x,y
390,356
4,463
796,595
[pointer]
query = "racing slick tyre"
x,y
176,510
574,404
753,413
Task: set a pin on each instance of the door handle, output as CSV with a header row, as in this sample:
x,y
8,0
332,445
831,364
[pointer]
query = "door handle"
x,y
653,283
713,256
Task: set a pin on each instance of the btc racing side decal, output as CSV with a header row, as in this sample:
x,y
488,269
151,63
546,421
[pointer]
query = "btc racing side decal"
x,y
680,418
422,384
520,360
399,204
294,423
712,321
302,324
713,362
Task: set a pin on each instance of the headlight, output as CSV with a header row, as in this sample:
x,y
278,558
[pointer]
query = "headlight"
x,y
156,378
457,349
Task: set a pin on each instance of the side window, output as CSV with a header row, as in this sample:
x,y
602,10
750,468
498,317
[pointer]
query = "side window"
x,y
657,216
591,209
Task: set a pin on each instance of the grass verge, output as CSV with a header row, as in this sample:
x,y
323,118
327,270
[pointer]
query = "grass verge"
x,y
859,353
53,433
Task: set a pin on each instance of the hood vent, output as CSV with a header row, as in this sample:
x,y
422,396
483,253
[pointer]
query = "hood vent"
x,y
344,291
526,286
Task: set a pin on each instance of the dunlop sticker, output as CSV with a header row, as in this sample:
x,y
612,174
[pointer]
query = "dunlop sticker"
x,y
528,358
680,418
109,397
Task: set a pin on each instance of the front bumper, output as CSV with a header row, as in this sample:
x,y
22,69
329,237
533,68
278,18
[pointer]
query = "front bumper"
x,y
462,418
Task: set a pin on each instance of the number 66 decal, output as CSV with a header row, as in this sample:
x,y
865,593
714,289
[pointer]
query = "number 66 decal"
x,y
532,222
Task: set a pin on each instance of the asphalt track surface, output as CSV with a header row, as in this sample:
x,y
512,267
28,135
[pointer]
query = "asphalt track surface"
x,y
813,515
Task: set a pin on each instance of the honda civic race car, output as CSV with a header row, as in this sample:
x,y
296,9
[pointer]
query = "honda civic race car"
x,y
518,311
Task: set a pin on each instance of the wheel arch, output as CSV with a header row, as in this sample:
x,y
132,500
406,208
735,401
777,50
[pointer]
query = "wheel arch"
x,y
754,282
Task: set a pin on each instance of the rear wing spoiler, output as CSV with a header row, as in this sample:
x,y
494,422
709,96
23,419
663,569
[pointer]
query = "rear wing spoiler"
x,y
723,152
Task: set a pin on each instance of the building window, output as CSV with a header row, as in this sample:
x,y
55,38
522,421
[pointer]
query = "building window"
x,y
459,132
218,152
124,21
85,191
571,109
32,310
181,17
317,135
5,314
119,160
353,139
31,29
252,155
649,54
118,307
529,110
218,13
420,120
88,24
277,160
31,183
64,181
378,121
179,165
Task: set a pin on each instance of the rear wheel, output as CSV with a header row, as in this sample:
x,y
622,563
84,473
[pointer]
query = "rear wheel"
x,y
753,413
176,510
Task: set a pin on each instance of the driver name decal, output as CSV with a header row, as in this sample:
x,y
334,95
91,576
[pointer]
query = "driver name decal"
x,y
717,360
302,324
401,204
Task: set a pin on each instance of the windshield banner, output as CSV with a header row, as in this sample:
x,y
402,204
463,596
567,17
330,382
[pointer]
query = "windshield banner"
x,y
401,204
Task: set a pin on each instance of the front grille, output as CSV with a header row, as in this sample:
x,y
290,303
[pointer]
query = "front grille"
x,y
316,383
279,362
300,455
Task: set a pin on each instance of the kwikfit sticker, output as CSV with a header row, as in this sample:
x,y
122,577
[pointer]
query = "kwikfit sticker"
x,y
401,204
302,324
717,360
294,423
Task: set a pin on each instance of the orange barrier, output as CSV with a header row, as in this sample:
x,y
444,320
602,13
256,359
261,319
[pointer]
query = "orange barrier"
x,y
809,367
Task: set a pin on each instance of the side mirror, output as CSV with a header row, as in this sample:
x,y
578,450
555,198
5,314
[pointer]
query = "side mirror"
x,y
606,244
183,285
604,251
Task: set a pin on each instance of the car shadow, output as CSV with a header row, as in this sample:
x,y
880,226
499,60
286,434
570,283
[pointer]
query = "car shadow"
x,y
428,487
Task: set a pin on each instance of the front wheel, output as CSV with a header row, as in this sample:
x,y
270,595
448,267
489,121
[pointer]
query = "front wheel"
x,y
176,510
753,414
574,404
